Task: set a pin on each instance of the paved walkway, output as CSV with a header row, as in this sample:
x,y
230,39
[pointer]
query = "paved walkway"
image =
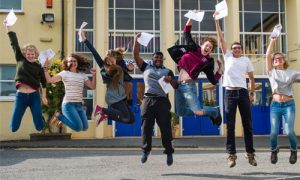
x,y
203,142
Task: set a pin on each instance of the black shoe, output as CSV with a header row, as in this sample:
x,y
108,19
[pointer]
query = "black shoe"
x,y
293,157
274,157
169,159
217,121
144,157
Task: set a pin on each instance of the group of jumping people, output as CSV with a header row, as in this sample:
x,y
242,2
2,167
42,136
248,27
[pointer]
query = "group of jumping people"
x,y
156,106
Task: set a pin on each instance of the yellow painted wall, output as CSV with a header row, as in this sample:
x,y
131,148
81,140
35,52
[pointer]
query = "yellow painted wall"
x,y
29,30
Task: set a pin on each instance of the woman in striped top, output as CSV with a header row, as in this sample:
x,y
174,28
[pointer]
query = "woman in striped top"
x,y
74,79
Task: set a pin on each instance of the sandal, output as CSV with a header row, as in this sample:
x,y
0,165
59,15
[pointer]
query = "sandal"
x,y
59,124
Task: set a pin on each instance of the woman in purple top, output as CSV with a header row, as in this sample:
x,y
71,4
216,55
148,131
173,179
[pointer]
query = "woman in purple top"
x,y
191,64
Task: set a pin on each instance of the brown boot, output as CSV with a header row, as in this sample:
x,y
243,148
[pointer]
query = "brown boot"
x,y
231,160
251,159
293,157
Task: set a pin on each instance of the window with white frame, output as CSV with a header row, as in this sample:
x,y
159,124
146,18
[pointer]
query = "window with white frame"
x,y
126,18
85,13
7,82
7,5
199,30
257,20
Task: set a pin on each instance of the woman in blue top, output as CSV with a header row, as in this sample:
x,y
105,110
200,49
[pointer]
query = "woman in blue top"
x,y
283,104
115,96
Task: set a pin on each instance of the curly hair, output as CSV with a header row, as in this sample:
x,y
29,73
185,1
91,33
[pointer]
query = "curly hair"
x,y
115,72
30,47
117,53
83,63
213,41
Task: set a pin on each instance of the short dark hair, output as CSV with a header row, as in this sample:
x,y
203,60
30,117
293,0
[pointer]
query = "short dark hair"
x,y
236,43
158,53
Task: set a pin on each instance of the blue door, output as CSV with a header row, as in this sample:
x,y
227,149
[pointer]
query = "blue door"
x,y
136,89
201,125
261,108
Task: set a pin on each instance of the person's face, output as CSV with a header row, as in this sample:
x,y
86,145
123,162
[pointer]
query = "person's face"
x,y
278,60
157,60
236,50
30,56
72,62
111,61
206,48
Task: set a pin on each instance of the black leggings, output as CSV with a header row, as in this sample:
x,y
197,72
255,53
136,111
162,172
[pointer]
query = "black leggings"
x,y
120,112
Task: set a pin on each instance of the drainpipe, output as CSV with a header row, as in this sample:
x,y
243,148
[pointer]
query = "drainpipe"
x,y
62,54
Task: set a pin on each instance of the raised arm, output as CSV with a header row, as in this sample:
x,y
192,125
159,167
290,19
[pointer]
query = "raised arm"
x,y
136,52
220,35
187,34
96,55
14,42
269,55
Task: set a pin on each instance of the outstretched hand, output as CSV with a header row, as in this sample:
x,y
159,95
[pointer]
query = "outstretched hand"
x,y
215,14
130,67
93,71
137,36
5,25
83,37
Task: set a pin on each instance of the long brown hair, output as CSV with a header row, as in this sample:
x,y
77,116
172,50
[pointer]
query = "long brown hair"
x,y
82,63
115,71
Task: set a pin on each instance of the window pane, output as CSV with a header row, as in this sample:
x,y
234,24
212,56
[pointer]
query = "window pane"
x,y
144,4
208,4
252,22
251,5
124,4
253,44
9,4
266,41
111,3
85,3
241,22
176,19
144,20
283,40
208,23
7,89
282,5
176,4
124,19
7,72
184,20
157,20
189,4
84,15
270,5
156,4
111,19
282,22
241,5
269,21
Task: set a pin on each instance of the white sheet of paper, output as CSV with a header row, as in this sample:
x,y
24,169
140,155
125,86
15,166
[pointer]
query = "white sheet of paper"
x,y
80,30
276,31
145,38
222,9
195,16
164,85
11,18
47,54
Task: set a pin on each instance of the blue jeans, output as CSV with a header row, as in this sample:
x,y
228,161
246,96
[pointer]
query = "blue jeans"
x,y
22,101
277,111
187,102
74,116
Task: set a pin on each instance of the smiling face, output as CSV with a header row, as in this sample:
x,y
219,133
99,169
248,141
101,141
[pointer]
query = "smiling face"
x,y
72,62
237,50
279,61
30,56
206,48
157,59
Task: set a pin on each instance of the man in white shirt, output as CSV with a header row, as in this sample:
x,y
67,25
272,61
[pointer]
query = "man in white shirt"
x,y
237,95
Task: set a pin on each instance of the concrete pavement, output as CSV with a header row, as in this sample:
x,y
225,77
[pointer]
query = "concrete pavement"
x,y
202,142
